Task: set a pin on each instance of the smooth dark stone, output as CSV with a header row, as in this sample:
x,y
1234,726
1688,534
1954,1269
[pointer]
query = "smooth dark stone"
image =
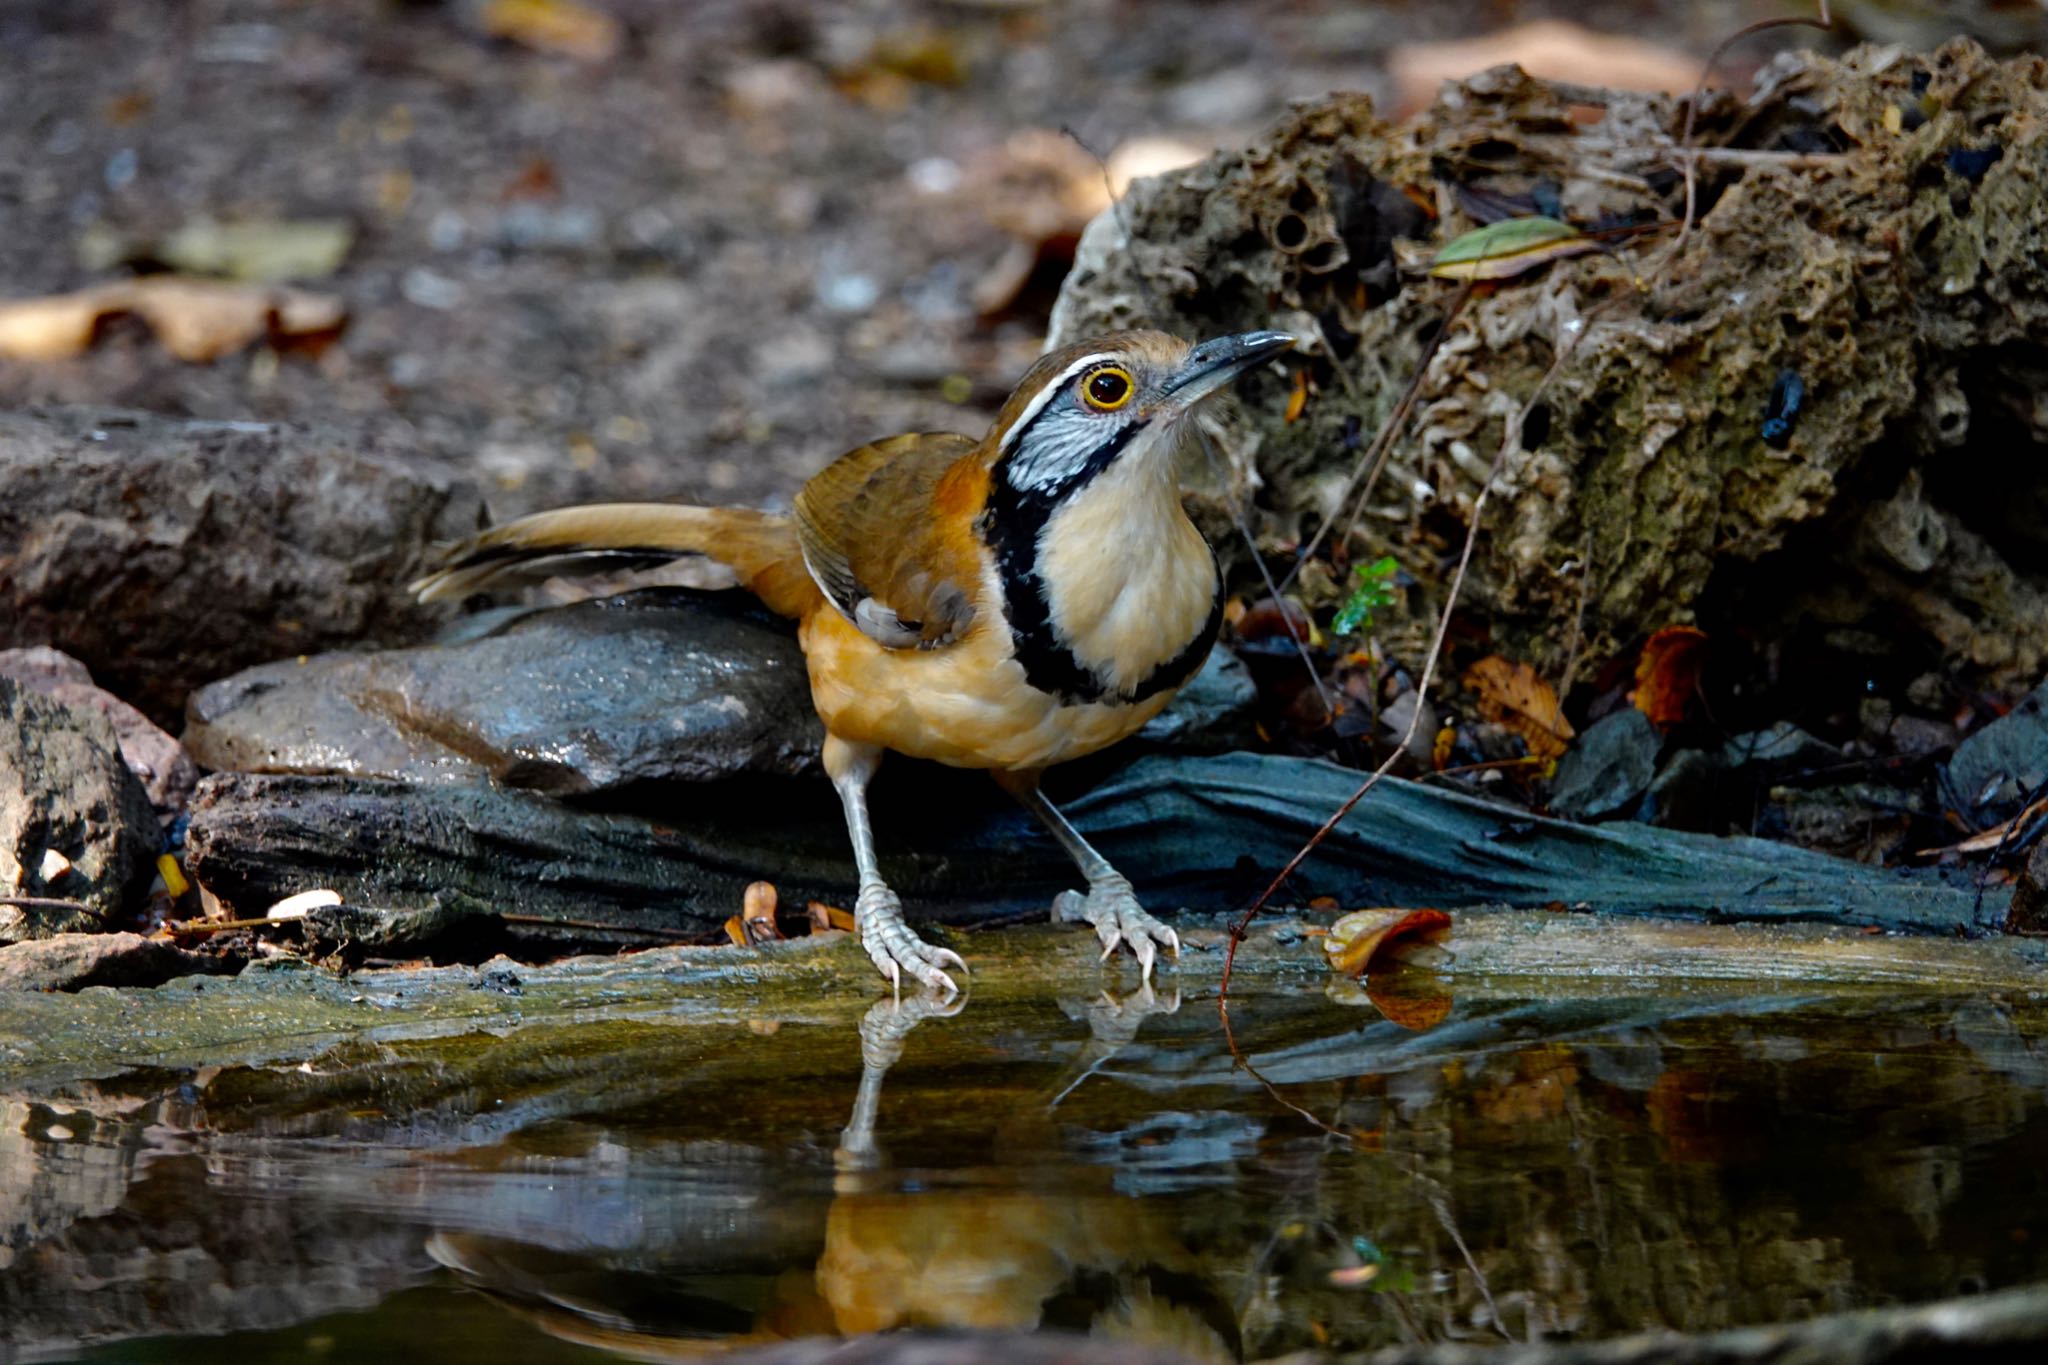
x,y
1606,772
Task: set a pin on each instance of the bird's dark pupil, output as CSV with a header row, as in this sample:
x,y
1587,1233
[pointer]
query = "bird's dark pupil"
x,y
1106,388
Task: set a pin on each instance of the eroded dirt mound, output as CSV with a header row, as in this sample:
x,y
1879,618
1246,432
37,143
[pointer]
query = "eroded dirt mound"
x,y
1869,264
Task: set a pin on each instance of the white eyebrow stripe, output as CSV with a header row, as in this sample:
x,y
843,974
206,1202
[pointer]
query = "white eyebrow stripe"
x,y
1048,393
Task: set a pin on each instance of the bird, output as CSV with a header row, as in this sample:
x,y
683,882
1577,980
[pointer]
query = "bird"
x,y
1009,603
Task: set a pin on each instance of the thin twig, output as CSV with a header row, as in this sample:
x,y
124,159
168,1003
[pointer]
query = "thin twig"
x,y
1244,529
51,903
1511,440
1687,156
1713,156
1366,472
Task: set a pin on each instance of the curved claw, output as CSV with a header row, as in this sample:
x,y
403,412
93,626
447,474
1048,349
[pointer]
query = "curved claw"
x,y
894,949
1119,921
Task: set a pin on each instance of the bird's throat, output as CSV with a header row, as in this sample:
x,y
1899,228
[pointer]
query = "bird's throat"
x,y
1111,593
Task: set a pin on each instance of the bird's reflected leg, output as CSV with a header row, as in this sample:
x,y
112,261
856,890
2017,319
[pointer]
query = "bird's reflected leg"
x,y
878,913
1112,1027
1109,904
882,1031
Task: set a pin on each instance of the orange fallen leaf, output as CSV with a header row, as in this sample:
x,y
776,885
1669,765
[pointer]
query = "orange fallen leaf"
x,y
1268,618
755,923
1440,748
195,319
1297,398
1993,839
562,27
825,917
1668,675
1360,939
1515,696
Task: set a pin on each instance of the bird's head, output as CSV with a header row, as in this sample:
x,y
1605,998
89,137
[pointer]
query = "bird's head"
x,y
1085,406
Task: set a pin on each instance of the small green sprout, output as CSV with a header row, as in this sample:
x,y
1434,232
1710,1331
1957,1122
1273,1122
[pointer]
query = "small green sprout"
x,y
1375,589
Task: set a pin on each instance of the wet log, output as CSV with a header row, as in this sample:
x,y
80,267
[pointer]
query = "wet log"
x,y
1202,832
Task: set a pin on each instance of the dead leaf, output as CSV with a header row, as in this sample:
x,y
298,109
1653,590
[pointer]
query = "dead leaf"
x,y
563,28
1364,937
755,923
1297,398
1668,675
1512,695
1510,247
1270,618
1440,748
1550,49
825,917
1993,839
196,320
264,251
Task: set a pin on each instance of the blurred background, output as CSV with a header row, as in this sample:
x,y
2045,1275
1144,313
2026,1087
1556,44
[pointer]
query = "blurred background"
x,y
633,248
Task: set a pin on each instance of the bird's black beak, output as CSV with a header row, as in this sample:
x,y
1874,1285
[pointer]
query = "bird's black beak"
x,y
1219,360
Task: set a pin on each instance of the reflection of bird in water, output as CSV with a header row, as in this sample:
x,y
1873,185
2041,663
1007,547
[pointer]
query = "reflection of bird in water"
x,y
990,1255
1099,1265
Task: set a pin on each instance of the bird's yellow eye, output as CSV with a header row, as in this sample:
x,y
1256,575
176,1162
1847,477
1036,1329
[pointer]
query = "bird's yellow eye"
x,y
1108,388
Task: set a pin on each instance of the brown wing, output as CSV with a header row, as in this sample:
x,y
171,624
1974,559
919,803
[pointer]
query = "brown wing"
x,y
888,532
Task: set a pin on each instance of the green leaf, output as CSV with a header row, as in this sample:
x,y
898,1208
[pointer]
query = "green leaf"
x,y
1505,249
1375,589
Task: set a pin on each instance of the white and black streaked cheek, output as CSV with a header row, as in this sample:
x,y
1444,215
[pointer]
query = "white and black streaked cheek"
x,y
1066,445
1057,438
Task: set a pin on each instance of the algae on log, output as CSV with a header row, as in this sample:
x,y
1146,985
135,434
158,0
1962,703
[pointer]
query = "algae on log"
x,y
1876,229
1199,831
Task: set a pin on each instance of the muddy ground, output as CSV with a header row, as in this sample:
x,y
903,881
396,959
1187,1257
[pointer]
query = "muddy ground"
x,y
701,267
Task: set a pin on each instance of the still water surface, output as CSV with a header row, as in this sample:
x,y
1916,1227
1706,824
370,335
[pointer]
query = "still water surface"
x,y
1526,1167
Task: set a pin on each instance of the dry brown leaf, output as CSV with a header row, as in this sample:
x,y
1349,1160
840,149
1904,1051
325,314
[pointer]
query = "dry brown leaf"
x,y
197,320
1549,49
755,923
1993,839
1514,696
562,27
1668,675
824,917
1361,940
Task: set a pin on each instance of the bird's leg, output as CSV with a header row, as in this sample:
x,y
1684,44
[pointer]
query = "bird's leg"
x,y
1109,905
877,913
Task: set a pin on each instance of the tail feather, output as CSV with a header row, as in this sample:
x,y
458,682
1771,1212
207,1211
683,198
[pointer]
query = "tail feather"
x,y
760,547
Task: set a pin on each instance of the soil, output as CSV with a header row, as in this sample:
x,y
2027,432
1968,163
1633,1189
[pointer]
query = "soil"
x,y
746,242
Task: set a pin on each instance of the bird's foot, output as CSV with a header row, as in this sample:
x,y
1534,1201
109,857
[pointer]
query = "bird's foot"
x,y
1114,1019
894,949
1113,909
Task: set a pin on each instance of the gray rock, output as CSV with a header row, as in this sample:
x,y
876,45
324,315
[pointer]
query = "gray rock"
x,y
1687,794
1778,750
2006,757
657,686
2029,912
71,962
167,773
1212,713
75,824
662,685
1606,773
164,553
